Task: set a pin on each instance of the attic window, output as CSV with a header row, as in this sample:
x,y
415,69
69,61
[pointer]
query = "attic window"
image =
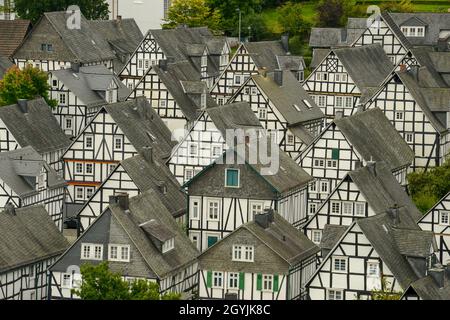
x,y
306,102
297,107
168,245
93,42
46,47
413,31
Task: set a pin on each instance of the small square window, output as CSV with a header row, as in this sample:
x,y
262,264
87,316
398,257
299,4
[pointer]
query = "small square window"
x,y
335,207
118,142
444,218
232,178
88,142
89,168
79,168
316,236
339,264
409,137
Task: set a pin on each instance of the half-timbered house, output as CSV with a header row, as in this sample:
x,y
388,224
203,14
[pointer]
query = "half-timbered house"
x,y
348,143
134,176
58,39
248,59
437,221
175,91
265,259
207,139
81,92
208,55
435,286
362,193
283,107
30,244
416,101
27,180
385,252
140,240
117,132
31,123
344,75
240,184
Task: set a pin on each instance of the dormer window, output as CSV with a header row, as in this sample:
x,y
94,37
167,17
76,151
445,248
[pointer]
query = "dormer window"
x,y
413,31
168,245
232,178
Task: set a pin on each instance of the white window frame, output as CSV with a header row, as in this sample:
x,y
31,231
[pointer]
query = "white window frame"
x,y
66,284
88,165
87,189
195,205
399,115
62,99
347,205
217,277
92,249
448,218
79,167
117,138
316,236
334,205
76,193
66,127
358,206
312,208
333,264
120,248
262,113
86,139
168,245
409,137
332,292
290,139
209,202
267,282
377,269
190,148
243,253
256,207
233,280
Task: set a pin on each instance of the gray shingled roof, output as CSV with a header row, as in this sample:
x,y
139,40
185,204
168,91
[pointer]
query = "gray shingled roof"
x,y
19,165
427,289
87,83
144,208
86,44
28,237
12,33
291,62
433,22
37,128
286,96
336,37
264,53
381,190
388,243
331,235
374,137
318,56
387,18
141,125
368,66
414,243
434,66
149,175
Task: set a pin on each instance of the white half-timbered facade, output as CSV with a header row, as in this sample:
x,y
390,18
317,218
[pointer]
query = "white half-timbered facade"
x,y
31,123
284,108
350,142
344,75
233,189
386,252
140,240
117,132
30,245
255,262
134,176
80,93
436,220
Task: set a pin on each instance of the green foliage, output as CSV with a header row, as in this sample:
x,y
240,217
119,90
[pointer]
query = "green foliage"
x,y
397,6
34,9
28,83
101,284
291,19
331,13
384,293
193,13
258,29
426,188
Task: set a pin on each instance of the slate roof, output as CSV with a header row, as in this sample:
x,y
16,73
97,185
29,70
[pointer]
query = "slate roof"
x,y
289,62
374,137
427,289
148,175
17,166
265,53
337,37
87,83
318,56
331,235
368,66
387,18
157,230
433,22
389,241
5,64
144,208
286,96
380,188
12,33
141,125
434,66
28,237
38,128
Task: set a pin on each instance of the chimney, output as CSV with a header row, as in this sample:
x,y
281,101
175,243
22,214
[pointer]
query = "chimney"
x,y
263,72
360,108
121,199
163,64
23,105
147,153
403,68
285,42
438,275
394,214
75,66
371,165
10,209
278,77
339,114
264,219
443,44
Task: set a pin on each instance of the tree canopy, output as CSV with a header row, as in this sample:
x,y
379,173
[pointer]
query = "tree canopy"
x,y
291,18
34,9
28,83
99,283
193,13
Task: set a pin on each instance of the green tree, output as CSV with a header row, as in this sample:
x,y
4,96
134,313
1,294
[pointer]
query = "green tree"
x,y
397,6
34,9
332,13
290,17
193,13
28,83
99,283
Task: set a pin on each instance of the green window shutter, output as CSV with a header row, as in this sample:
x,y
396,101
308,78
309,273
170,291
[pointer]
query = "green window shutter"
x,y
242,280
275,283
209,279
335,154
259,282
232,178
